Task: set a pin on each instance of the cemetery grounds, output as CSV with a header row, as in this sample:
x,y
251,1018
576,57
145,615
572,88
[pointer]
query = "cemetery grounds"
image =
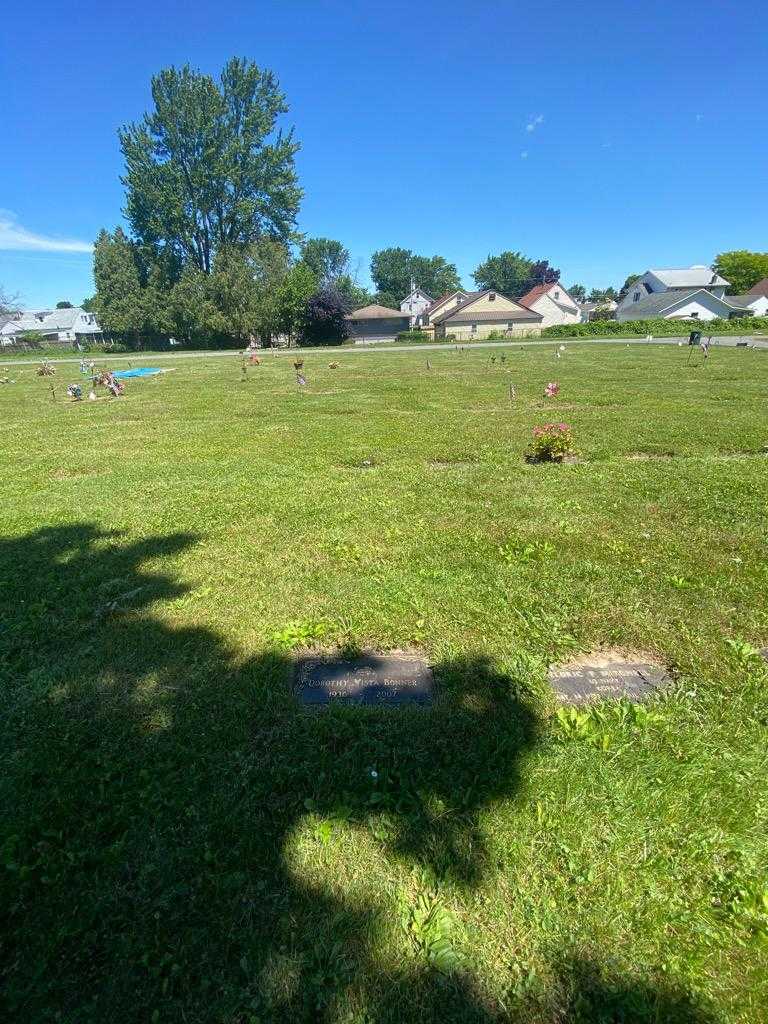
x,y
182,841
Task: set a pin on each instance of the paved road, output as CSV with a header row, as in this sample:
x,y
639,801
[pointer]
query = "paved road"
x,y
150,357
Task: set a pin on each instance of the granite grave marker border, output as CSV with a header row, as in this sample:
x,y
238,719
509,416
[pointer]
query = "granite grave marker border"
x,y
390,679
607,678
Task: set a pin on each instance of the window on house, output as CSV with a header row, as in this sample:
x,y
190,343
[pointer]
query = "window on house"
x,y
557,295
491,296
636,297
473,328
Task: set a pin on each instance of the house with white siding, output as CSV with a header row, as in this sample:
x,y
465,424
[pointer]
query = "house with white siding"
x,y
52,325
553,302
674,282
753,304
416,304
682,304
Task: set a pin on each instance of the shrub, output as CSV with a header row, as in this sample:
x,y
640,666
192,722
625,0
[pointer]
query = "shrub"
x,y
658,328
413,336
551,443
324,320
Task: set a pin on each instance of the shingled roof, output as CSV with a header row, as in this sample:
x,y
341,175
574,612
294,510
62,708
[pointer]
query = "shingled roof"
x,y
542,289
761,288
459,315
658,302
376,312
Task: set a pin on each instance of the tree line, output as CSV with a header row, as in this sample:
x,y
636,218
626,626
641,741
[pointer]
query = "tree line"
x,y
213,254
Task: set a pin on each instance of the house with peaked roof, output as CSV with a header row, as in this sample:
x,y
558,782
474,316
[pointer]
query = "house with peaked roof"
x,y
553,302
62,325
416,304
761,288
684,304
675,280
374,323
752,304
445,302
486,312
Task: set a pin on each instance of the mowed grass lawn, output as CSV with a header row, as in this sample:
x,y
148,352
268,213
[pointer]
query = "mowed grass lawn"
x,y
182,842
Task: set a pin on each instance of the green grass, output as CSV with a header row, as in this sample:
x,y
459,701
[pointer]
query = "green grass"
x,y
181,842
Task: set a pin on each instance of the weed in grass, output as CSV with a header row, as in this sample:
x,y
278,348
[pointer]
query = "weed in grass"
x,y
744,654
606,726
432,931
526,552
681,583
740,893
299,634
349,552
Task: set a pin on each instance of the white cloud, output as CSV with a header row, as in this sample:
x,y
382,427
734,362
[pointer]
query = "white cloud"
x,y
14,236
534,123
524,155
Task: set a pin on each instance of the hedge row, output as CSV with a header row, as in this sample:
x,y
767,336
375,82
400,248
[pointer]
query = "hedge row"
x,y
658,328
414,336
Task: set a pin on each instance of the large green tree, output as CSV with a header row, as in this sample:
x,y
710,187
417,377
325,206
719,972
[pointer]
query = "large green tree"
x,y
603,295
244,286
326,258
291,299
393,269
207,169
387,299
353,294
508,273
329,261
119,302
741,268
190,307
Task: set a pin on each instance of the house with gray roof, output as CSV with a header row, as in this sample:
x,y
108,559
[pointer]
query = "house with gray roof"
x,y
688,304
673,282
753,304
375,323
51,325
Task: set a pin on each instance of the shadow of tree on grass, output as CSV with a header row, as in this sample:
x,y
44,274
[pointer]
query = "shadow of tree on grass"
x,y
151,779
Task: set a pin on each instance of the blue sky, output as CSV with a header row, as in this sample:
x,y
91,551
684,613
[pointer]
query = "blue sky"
x,y
605,137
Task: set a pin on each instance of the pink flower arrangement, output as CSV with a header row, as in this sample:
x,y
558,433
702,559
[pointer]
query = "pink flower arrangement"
x,y
550,428
552,390
553,442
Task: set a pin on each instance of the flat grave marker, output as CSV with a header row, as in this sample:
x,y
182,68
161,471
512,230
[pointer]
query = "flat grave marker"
x,y
606,677
371,680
